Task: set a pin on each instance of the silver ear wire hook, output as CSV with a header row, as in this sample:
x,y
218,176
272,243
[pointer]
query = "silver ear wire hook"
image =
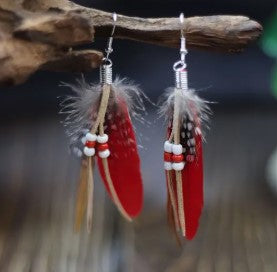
x,y
183,50
179,67
109,48
106,69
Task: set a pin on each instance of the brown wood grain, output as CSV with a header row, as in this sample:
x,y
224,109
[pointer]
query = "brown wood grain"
x,y
39,34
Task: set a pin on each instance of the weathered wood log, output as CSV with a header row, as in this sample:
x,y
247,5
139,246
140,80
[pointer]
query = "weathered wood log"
x,y
38,34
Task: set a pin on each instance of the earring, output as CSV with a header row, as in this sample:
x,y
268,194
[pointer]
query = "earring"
x,y
184,112
99,125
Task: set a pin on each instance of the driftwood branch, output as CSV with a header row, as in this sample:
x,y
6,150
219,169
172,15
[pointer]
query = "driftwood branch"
x,y
39,34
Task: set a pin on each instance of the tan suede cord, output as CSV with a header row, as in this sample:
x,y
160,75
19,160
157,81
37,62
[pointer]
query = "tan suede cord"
x,y
86,183
90,189
178,174
100,122
90,161
172,200
81,201
180,201
113,192
102,109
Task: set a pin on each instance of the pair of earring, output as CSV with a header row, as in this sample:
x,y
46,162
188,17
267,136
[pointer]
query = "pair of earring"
x,y
100,127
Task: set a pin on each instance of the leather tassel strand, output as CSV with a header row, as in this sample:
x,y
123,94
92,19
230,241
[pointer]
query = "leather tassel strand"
x,y
81,201
104,111
90,189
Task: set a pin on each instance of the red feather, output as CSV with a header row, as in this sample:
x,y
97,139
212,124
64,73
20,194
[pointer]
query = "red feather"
x,y
124,162
192,177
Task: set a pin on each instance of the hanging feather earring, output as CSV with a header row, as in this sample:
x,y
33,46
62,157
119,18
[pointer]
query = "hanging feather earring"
x,y
183,161
99,125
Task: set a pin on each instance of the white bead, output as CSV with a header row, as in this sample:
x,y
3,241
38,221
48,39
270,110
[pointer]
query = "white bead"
x,y
178,166
168,147
177,149
89,151
102,139
91,137
104,154
167,166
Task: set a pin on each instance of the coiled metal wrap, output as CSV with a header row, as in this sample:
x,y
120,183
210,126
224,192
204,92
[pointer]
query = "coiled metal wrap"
x,y
106,72
181,79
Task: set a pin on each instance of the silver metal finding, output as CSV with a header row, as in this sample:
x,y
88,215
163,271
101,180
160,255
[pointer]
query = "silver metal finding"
x,y
179,67
181,76
106,70
109,48
183,49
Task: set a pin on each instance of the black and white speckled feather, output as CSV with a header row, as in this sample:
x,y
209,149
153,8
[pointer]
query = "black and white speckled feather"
x,y
189,103
82,107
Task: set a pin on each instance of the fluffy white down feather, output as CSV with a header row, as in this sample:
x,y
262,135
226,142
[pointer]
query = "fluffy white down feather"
x,y
189,103
81,108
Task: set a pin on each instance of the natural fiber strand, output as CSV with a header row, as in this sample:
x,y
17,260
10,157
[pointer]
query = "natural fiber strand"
x,y
179,182
101,115
172,200
113,192
81,201
178,174
90,189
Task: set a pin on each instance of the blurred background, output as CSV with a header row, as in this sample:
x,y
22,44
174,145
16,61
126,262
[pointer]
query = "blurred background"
x,y
38,176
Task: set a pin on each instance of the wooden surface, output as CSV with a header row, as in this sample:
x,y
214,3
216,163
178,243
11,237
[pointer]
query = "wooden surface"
x,y
37,190
39,35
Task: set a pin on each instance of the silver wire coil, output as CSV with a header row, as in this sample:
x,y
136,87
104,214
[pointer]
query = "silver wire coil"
x,y
106,72
181,76
181,80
